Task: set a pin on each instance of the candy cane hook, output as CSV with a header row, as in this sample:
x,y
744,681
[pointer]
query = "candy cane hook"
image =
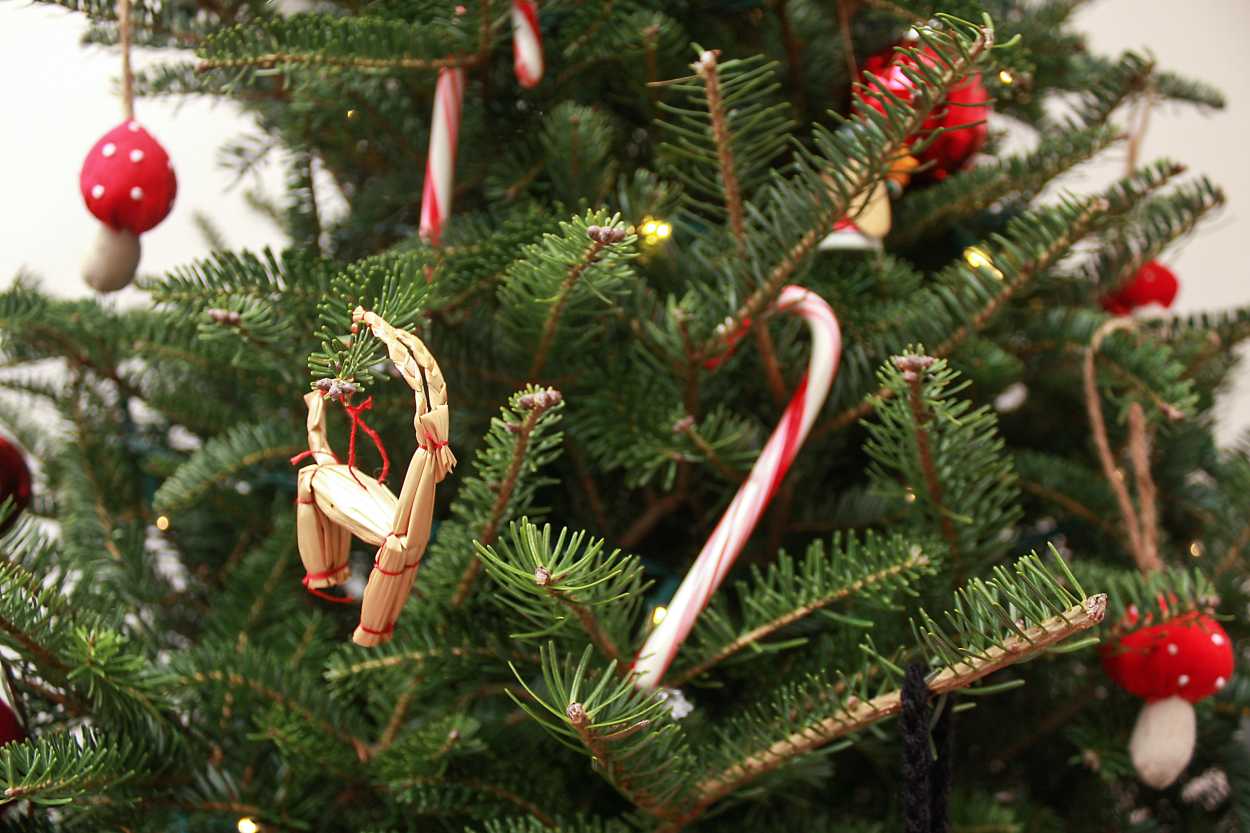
x,y
739,520
440,163
527,43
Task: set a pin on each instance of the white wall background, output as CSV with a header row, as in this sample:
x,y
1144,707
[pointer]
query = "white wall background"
x,y
59,100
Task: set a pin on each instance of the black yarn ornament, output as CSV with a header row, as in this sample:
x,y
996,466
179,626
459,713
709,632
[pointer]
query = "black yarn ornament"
x,y
926,778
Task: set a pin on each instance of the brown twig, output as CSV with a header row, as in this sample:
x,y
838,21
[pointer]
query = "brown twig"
x,y
1102,445
490,530
652,515
557,309
617,772
590,624
913,368
707,70
273,59
794,56
848,42
686,426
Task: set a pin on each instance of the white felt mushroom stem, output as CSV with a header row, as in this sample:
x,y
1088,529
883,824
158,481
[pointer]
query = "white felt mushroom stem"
x,y
111,261
1163,741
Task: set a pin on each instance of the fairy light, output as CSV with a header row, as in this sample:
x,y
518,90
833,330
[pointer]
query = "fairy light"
x,y
162,523
351,114
1195,549
657,615
978,258
1006,78
247,824
655,231
911,496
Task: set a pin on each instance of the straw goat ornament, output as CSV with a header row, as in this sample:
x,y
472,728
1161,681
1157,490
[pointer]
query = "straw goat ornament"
x,y
336,501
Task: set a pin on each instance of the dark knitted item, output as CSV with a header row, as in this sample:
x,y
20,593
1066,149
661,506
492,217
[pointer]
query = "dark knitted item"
x,y
940,773
914,724
926,780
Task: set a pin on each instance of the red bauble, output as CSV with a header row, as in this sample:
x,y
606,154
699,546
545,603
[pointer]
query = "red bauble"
x,y
127,179
15,484
11,729
1190,657
962,115
1154,283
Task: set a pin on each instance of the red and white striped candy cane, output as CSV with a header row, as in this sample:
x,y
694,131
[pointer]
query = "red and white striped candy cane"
x,y
440,163
739,520
527,43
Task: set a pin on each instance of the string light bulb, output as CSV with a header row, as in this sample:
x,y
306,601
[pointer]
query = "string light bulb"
x,y
247,824
1195,549
1006,78
978,258
162,523
657,615
353,113
655,231
911,496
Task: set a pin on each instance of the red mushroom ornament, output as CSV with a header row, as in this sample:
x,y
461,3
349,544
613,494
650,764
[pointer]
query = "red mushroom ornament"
x,y
128,183
1154,283
1171,665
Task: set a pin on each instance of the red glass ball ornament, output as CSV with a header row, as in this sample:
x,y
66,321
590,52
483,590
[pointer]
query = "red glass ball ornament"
x,y
127,180
1154,283
14,483
11,729
962,114
1190,657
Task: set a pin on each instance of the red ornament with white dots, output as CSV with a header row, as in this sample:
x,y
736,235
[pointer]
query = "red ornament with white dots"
x,y
960,116
1170,665
128,183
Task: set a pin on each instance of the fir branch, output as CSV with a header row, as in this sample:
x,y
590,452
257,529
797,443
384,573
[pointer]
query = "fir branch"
x,y
706,68
913,369
886,139
1015,275
237,680
783,597
539,403
552,321
858,714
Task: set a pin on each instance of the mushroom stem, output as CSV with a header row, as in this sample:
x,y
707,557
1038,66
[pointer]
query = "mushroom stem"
x,y
112,260
1163,741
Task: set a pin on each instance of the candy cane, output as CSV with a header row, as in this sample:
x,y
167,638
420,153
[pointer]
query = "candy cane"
x,y
748,505
527,43
440,164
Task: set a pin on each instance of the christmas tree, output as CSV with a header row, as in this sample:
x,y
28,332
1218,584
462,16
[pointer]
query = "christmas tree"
x,y
597,251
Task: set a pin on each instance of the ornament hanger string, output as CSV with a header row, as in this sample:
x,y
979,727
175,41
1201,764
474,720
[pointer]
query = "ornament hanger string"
x,y
128,78
1143,527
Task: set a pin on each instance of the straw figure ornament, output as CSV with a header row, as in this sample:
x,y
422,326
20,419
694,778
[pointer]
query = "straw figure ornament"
x,y
336,501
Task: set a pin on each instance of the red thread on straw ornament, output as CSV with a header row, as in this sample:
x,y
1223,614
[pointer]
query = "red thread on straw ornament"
x,y
358,421
316,591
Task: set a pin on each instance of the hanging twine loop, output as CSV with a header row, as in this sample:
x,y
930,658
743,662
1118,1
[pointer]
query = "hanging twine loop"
x,y
128,78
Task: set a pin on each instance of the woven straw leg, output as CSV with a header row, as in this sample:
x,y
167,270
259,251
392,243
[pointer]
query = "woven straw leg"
x,y
323,545
386,583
